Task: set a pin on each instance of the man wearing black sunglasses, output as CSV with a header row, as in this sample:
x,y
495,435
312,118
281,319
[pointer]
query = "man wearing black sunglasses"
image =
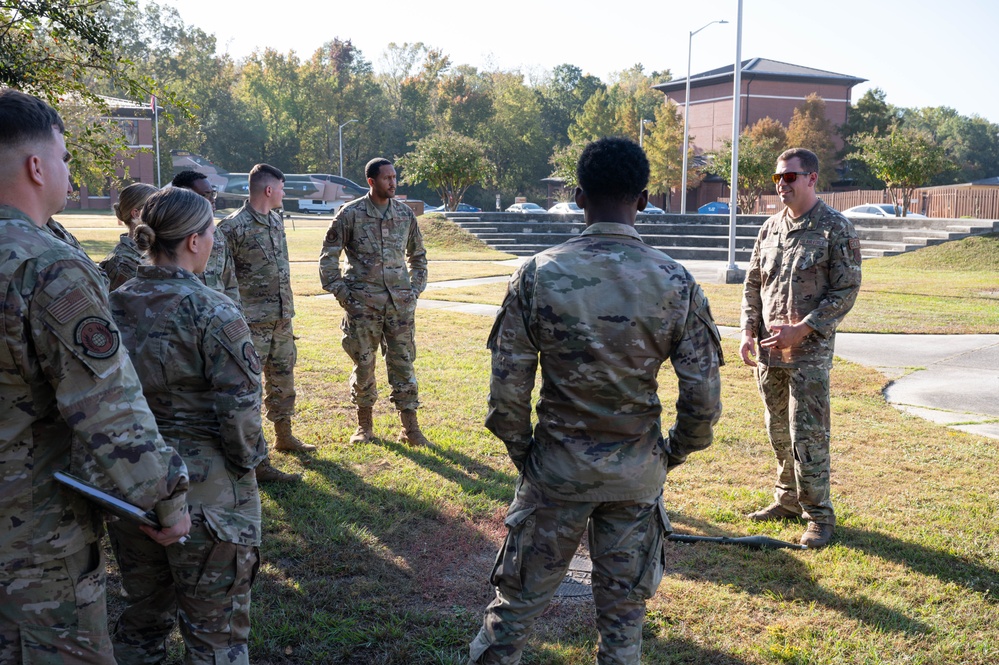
x,y
802,280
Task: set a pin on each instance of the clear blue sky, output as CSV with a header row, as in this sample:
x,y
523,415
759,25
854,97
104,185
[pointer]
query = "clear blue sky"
x,y
920,52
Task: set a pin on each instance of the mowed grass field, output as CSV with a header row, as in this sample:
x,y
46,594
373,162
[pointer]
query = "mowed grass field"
x,y
381,555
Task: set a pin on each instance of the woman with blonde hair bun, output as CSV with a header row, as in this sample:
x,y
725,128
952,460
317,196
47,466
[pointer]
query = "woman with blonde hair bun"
x,y
120,264
192,350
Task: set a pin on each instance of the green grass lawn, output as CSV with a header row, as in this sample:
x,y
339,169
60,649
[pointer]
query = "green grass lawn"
x,y
382,553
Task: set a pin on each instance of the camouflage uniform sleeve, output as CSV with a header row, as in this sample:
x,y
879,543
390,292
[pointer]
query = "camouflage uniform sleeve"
x,y
229,276
752,300
329,256
416,255
844,281
117,444
514,365
117,270
696,360
235,379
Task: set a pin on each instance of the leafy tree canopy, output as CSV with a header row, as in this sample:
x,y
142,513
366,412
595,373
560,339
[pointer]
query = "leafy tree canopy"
x,y
449,163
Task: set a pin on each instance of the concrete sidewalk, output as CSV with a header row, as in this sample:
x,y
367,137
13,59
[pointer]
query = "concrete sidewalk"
x,y
949,379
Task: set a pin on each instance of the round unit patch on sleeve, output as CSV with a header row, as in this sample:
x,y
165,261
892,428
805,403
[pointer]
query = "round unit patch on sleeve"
x,y
251,357
96,337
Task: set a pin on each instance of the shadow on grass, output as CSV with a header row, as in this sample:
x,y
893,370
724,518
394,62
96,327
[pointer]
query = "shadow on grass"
x,y
356,573
474,477
659,651
926,560
778,574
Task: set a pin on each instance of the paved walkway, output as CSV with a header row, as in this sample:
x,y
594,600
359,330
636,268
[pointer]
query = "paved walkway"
x,y
949,379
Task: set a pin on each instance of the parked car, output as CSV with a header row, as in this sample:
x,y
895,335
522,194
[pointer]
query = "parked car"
x,y
429,209
566,208
878,210
526,208
653,210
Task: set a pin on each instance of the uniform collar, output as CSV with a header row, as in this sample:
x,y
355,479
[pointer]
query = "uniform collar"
x,y
375,212
165,272
10,212
611,228
258,217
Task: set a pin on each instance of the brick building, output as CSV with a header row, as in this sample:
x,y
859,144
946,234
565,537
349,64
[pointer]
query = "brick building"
x,y
768,88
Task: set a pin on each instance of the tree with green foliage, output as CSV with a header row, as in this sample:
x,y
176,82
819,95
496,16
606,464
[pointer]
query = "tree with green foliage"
x,y
664,148
810,129
904,158
561,97
563,162
449,163
971,142
66,52
514,137
759,148
595,121
871,114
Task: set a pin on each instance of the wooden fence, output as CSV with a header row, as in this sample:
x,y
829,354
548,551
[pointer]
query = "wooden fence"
x,y
942,202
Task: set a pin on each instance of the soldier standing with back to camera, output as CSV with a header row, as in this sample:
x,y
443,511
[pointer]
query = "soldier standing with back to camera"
x,y
601,313
378,294
803,278
69,401
201,375
256,239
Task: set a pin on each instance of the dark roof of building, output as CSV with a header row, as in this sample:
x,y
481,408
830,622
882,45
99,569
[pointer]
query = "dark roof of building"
x,y
761,68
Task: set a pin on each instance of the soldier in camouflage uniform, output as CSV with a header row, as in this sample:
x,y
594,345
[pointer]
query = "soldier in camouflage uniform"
x,y
602,312
257,242
69,401
220,273
802,280
378,294
201,375
120,265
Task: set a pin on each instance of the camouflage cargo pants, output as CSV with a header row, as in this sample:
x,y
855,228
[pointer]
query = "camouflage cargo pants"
x,y
366,327
626,540
205,582
275,344
56,612
797,419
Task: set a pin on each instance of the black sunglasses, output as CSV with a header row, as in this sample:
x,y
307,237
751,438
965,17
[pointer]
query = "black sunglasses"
x,y
789,176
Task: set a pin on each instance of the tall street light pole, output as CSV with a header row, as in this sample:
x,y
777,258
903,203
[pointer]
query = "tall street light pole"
x,y
732,273
340,132
686,116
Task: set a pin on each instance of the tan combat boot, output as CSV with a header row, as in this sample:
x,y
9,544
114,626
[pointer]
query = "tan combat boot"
x,y
411,433
773,512
364,432
268,474
288,441
817,535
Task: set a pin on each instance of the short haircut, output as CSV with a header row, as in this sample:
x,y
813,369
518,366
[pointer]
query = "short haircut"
x,y
613,169
373,167
260,174
809,160
186,179
169,216
25,118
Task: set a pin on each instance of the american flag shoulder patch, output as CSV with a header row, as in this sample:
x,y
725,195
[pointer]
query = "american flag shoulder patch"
x,y
66,308
236,330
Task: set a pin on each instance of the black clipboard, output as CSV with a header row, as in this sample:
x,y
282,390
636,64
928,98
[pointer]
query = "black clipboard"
x,y
108,502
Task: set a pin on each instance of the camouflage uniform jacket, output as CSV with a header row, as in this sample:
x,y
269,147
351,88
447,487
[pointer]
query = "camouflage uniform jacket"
x,y
378,249
220,273
119,266
69,401
259,253
603,311
805,269
193,353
